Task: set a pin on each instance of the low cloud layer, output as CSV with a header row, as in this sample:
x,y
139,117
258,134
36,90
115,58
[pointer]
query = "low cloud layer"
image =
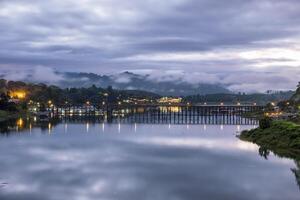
x,y
236,81
247,45
241,81
37,74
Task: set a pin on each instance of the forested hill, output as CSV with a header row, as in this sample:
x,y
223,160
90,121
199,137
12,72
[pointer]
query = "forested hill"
x,y
243,98
127,80
44,93
165,85
94,94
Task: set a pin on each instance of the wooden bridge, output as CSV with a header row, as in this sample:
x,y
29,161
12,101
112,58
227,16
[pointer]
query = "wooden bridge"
x,y
187,114
129,108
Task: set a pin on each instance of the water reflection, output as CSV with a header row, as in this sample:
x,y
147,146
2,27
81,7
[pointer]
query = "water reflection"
x,y
296,171
49,128
265,153
20,124
66,128
160,161
87,127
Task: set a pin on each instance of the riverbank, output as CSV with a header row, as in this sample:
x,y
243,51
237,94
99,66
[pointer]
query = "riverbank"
x,y
281,137
254,114
6,115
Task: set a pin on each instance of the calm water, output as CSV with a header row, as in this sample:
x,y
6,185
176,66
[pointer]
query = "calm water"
x,y
89,161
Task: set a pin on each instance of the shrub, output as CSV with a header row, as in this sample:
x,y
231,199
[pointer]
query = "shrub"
x,y
265,123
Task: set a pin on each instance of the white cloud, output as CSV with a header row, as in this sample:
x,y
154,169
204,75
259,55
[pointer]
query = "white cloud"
x,y
240,81
182,76
37,74
45,74
122,78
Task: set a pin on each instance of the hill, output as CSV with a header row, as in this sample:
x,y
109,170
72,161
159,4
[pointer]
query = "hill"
x,y
259,98
44,93
131,81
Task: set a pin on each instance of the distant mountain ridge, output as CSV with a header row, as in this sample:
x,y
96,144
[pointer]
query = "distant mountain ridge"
x,y
131,81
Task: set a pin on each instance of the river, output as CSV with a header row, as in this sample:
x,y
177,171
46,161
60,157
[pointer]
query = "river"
x,y
90,159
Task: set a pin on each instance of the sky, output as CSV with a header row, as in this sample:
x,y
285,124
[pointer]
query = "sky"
x,y
251,45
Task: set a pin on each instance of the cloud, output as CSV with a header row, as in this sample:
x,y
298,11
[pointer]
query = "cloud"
x,y
182,76
237,81
198,37
38,74
278,78
122,78
45,74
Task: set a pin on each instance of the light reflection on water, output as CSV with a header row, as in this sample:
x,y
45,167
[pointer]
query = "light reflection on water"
x,y
140,161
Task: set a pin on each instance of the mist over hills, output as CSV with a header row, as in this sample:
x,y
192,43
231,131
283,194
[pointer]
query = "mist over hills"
x,y
161,84
86,86
170,82
131,81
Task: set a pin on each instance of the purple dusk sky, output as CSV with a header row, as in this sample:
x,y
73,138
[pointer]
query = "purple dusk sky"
x,y
250,45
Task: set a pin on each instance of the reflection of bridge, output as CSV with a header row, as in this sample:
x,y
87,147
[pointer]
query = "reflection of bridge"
x,y
190,119
144,119
169,114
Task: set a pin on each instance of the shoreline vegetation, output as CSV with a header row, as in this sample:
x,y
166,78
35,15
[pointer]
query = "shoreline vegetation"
x,y
11,110
281,137
255,115
8,115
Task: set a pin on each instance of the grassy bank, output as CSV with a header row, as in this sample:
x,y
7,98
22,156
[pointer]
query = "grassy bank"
x,y
282,137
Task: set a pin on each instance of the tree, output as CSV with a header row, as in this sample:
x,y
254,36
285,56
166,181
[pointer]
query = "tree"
x,y
6,105
298,87
3,98
265,123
